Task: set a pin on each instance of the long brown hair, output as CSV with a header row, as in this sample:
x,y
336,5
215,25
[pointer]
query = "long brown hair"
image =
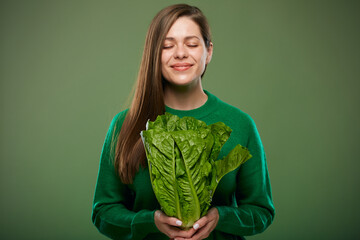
x,y
148,100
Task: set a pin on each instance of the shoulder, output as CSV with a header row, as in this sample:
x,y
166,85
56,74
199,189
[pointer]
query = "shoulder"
x,y
117,121
232,115
242,124
120,117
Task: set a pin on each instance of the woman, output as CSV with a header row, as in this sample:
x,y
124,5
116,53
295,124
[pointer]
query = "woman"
x,y
177,50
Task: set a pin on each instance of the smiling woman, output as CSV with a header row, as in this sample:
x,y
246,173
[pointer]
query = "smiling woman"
x,y
183,62
177,50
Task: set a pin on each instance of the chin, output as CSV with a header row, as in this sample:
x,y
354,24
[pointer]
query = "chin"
x,y
182,81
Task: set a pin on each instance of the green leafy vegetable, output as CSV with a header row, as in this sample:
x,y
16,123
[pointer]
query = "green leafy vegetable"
x,y
184,170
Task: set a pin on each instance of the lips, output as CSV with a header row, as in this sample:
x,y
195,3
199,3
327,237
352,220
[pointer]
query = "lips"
x,y
181,66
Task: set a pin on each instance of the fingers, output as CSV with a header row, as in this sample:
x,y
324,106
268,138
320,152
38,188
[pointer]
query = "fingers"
x,y
204,228
184,235
170,226
205,225
211,216
200,230
168,220
201,223
173,222
202,233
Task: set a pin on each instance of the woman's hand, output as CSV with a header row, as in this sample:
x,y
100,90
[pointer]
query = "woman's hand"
x,y
205,225
170,226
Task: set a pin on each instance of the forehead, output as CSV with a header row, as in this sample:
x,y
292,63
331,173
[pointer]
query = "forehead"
x,y
184,27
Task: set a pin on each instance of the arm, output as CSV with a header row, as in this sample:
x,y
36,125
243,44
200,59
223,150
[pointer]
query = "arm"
x,y
113,199
255,210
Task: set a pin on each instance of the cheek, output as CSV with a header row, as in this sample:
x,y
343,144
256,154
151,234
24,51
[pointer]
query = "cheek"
x,y
165,57
202,61
201,57
164,62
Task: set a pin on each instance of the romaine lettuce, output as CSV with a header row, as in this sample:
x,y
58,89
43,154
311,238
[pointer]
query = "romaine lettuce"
x,y
184,170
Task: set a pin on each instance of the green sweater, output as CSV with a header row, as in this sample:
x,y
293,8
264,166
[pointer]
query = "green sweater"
x,y
243,196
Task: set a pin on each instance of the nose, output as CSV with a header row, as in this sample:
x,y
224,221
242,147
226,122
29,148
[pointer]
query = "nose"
x,y
180,52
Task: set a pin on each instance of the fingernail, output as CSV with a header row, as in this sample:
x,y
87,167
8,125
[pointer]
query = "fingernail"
x,y
196,226
178,222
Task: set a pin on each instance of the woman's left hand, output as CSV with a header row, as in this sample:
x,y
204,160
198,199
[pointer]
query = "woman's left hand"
x,y
205,225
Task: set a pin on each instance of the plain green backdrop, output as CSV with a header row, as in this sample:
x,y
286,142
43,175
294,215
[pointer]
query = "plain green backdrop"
x,y
67,67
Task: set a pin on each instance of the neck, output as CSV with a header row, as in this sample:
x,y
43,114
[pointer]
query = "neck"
x,y
184,97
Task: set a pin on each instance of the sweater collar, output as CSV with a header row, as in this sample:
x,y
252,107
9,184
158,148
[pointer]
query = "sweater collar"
x,y
199,112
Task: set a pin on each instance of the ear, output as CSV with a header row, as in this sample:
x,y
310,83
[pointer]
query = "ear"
x,y
209,53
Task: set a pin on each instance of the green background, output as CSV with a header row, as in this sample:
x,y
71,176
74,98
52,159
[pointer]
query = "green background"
x,y
67,67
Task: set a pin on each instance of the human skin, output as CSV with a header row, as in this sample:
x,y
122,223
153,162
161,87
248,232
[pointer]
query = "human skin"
x,y
200,230
183,60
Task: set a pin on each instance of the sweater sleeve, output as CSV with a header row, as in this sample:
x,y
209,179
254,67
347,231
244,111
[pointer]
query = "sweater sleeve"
x,y
112,202
255,210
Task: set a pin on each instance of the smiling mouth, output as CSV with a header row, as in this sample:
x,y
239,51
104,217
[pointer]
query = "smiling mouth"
x,y
181,66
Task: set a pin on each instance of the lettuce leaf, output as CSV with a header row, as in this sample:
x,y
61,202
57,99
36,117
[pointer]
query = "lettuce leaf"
x,y
184,170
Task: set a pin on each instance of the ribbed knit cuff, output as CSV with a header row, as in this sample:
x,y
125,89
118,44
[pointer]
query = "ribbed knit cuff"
x,y
143,224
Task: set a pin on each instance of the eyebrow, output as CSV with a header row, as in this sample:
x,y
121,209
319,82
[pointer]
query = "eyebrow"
x,y
186,38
